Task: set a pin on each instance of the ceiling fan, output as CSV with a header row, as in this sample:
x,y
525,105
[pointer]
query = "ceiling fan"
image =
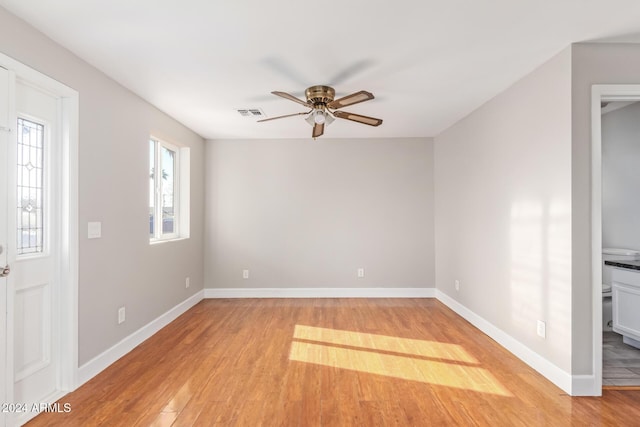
x,y
323,108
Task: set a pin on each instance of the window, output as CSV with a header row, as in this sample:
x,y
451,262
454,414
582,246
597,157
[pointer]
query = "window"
x,y
30,187
165,208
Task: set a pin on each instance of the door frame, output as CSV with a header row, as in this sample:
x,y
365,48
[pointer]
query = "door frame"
x,y
600,93
68,269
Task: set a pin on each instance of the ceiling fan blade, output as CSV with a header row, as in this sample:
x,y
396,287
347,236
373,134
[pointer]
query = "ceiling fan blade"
x,y
292,98
371,121
318,129
354,98
282,117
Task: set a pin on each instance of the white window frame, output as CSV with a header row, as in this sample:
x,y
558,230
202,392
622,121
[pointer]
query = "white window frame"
x,y
158,236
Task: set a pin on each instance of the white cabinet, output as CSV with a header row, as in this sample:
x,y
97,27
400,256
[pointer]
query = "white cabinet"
x,y
626,304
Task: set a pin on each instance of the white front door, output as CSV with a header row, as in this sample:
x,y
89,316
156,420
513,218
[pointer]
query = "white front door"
x,y
30,184
38,241
34,250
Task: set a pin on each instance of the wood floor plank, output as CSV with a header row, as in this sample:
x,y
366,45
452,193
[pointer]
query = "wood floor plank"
x,y
328,362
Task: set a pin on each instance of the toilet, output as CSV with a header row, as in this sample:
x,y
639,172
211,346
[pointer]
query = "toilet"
x,y
612,254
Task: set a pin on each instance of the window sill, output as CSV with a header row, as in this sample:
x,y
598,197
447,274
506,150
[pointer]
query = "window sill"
x,y
160,241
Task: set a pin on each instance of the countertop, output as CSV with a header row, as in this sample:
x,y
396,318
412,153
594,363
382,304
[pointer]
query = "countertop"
x,y
632,265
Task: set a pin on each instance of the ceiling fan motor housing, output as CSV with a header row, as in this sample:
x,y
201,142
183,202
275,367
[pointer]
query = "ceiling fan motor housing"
x,y
320,96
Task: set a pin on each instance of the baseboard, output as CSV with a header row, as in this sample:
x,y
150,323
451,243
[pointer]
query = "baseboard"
x,y
106,358
319,292
549,370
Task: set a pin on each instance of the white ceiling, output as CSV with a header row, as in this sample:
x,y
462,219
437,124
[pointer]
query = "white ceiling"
x,y
429,63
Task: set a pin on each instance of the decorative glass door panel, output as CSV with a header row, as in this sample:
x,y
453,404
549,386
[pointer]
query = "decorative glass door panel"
x,y
30,187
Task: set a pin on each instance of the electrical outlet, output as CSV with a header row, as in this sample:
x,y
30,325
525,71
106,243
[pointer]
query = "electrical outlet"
x,y
360,273
121,315
245,274
457,285
542,329
187,283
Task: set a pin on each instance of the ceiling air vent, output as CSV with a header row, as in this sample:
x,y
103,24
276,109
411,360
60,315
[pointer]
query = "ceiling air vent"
x,y
252,113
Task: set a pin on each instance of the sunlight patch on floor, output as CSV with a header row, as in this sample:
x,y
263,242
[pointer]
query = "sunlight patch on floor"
x,y
431,349
326,352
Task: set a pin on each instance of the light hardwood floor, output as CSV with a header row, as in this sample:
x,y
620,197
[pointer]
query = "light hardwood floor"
x,y
328,362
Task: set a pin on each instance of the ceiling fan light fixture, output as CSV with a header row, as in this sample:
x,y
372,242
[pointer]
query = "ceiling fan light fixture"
x,y
311,118
318,117
328,119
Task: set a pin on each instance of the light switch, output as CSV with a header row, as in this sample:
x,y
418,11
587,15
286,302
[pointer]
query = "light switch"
x,y
542,329
94,230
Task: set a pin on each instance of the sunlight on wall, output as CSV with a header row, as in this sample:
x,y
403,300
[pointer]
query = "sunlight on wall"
x,y
527,263
559,273
330,350
540,288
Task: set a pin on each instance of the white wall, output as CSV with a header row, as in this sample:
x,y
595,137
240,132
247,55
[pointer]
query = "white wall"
x,y
307,214
503,210
621,178
121,268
